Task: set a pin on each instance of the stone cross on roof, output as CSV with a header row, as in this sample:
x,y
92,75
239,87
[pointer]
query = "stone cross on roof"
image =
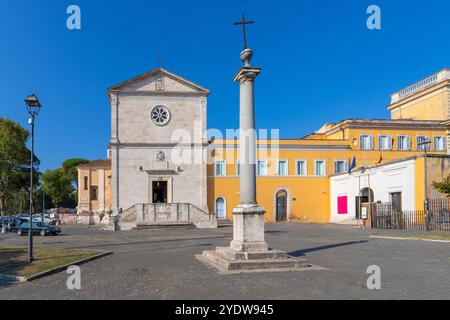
x,y
158,60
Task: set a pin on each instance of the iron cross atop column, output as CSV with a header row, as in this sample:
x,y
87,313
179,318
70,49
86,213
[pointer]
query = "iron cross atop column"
x,y
244,23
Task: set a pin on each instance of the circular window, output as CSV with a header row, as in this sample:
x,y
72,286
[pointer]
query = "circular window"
x,y
160,115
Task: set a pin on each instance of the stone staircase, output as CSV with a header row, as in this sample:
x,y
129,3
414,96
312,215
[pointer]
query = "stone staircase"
x,y
165,215
224,223
183,226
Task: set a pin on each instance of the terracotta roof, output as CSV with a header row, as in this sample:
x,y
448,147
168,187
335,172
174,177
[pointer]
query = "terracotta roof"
x,y
96,164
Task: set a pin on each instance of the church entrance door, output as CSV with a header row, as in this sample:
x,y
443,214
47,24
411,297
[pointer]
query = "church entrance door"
x,y
159,191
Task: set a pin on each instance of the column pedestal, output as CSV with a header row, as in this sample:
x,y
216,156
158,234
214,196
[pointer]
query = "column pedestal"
x,y
249,251
248,234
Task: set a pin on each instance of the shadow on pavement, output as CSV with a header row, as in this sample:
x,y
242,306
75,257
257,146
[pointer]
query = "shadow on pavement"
x,y
149,242
10,264
275,232
302,252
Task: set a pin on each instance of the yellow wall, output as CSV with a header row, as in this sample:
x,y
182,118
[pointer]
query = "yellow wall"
x,y
430,106
310,195
412,133
85,203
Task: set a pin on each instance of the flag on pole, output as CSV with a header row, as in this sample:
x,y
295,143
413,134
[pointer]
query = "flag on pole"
x,y
381,158
352,166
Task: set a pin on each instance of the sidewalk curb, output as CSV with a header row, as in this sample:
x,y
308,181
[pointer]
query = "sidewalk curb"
x,y
6,277
54,270
410,239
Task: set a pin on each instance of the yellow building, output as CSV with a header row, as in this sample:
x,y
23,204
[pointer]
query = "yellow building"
x,y
425,100
293,183
293,180
94,187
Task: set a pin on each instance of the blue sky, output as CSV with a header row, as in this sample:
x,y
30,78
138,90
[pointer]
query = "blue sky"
x,y
320,63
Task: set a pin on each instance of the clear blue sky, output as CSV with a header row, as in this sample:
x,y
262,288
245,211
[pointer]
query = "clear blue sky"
x,y
320,63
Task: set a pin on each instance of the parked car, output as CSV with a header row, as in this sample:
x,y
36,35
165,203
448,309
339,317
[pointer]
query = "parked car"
x,y
40,228
4,221
47,219
12,223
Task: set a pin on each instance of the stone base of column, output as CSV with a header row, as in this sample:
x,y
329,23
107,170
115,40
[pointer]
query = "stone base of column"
x,y
225,259
248,229
248,251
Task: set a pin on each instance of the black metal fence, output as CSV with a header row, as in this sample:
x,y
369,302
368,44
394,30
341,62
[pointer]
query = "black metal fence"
x,y
435,218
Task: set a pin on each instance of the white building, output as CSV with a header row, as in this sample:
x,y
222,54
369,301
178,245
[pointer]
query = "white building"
x,y
404,183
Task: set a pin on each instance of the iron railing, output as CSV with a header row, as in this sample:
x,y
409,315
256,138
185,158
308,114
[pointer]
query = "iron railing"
x,y
436,217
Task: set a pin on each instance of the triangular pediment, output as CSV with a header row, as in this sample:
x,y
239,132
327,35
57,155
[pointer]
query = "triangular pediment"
x,y
159,80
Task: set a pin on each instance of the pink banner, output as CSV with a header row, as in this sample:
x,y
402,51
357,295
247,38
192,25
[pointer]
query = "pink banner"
x,y
342,205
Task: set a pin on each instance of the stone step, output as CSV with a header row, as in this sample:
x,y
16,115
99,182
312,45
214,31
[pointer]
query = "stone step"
x,y
165,226
264,255
258,264
222,223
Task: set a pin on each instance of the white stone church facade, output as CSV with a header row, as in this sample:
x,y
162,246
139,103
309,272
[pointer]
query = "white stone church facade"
x,y
158,143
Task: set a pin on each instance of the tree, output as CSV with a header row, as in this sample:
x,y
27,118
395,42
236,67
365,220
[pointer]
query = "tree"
x,y
14,161
443,187
57,185
70,168
18,194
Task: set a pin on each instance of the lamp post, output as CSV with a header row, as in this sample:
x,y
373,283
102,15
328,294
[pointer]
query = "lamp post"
x,y
426,145
33,108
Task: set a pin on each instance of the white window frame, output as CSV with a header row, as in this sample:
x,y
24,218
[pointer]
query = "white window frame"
x,y
224,165
390,144
426,147
324,167
267,167
287,168
370,136
408,137
345,165
305,174
445,143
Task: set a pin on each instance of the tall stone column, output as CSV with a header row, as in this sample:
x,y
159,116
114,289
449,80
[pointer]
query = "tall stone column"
x,y
248,250
248,216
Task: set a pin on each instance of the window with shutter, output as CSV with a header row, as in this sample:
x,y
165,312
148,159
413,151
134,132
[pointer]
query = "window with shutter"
x,y
440,143
366,142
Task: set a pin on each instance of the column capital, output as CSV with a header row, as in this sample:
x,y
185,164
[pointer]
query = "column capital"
x,y
247,73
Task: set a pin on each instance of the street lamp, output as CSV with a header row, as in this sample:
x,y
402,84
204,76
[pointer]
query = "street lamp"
x,y
33,108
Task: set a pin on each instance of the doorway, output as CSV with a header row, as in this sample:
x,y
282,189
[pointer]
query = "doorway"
x,y
366,195
396,201
221,208
159,191
281,206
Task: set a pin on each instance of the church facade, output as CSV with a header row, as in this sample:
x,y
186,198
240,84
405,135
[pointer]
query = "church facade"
x,y
151,115
163,164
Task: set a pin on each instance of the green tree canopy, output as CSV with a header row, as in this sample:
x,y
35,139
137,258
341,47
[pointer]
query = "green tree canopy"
x,y
14,161
57,185
70,168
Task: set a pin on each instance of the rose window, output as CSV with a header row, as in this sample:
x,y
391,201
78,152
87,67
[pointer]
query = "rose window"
x,y
160,115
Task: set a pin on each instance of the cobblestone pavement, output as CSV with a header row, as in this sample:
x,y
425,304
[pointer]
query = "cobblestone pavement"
x,y
161,264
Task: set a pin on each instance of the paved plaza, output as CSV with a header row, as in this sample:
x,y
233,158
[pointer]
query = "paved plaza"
x,y
161,264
